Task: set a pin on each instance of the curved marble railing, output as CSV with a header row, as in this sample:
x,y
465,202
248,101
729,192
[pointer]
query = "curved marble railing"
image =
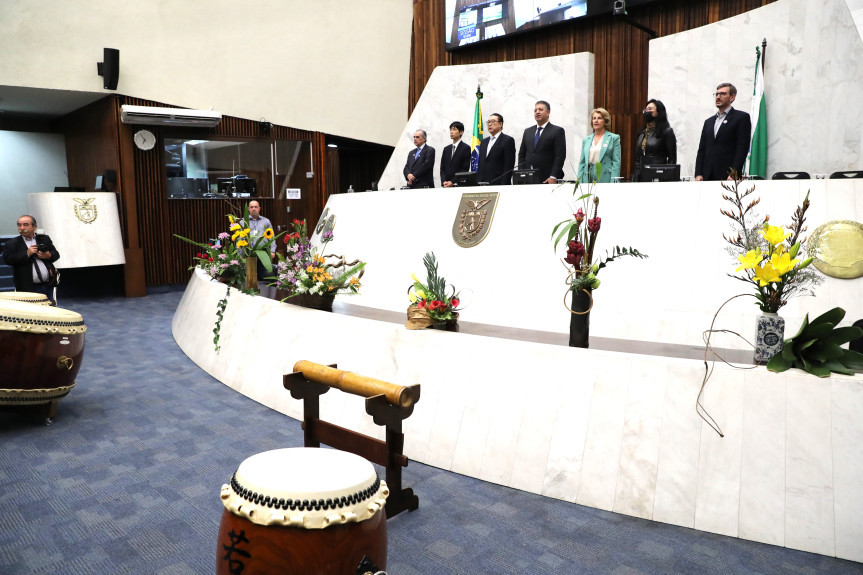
x,y
611,430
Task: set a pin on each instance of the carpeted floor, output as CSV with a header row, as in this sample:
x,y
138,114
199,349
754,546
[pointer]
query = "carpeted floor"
x,y
127,480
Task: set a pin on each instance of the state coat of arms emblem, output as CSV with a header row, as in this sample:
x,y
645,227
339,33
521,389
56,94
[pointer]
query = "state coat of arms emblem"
x,y
85,210
474,217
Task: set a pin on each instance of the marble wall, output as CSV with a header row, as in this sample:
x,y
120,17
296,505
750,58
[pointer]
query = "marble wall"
x,y
515,278
509,89
614,431
813,78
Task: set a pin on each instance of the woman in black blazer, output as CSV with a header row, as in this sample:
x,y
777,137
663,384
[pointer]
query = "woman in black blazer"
x,y
656,143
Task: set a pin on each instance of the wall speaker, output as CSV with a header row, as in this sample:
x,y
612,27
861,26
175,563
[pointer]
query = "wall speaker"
x,y
109,68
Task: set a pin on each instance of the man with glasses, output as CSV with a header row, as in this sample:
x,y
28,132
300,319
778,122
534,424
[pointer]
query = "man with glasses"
x,y
32,258
724,139
496,154
419,169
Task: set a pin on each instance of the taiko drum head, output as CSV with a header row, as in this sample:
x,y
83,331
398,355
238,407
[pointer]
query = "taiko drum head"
x,y
25,296
302,510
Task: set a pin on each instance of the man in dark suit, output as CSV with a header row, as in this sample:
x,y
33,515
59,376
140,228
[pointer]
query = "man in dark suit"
x,y
32,258
725,139
543,147
455,158
496,154
419,169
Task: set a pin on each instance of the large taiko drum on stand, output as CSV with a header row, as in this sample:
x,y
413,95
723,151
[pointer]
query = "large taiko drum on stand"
x,y
40,352
25,296
302,510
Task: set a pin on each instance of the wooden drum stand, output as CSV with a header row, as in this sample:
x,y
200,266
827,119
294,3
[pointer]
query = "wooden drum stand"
x,y
387,403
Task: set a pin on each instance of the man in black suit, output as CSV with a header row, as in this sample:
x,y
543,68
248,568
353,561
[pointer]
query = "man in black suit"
x,y
32,258
419,169
496,154
725,139
543,147
455,158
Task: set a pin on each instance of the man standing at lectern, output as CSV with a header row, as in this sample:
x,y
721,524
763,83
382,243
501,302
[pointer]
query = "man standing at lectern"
x,y
725,139
419,169
455,158
258,225
543,147
32,258
496,154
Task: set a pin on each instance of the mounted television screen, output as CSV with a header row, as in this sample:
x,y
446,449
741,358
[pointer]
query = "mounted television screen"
x,y
472,21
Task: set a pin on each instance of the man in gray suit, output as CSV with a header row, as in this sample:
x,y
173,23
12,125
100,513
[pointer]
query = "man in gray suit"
x,y
419,169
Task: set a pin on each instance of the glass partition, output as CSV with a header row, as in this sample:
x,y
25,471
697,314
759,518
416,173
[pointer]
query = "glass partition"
x,y
239,169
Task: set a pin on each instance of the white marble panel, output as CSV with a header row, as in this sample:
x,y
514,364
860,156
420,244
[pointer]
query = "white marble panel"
x,y
569,431
677,472
846,407
81,242
808,44
639,447
601,462
717,499
652,314
510,89
809,514
632,414
762,470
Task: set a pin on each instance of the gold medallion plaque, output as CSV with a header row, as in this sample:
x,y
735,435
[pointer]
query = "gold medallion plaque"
x,y
85,210
473,219
836,249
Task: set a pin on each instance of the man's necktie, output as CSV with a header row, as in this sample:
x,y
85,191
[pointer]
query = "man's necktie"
x,y
536,136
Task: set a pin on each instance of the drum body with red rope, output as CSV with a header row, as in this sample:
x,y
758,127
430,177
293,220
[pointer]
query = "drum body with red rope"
x,y
302,511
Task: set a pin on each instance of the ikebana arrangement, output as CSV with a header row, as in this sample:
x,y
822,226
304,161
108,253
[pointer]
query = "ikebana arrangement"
x,y
579,234
311,279
431,305
767,258
232,259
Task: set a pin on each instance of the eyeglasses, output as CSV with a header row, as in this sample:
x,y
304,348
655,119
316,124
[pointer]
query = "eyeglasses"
x,y
723,94
492,122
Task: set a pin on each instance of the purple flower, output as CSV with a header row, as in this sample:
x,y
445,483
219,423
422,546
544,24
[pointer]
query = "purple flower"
x,y
327,236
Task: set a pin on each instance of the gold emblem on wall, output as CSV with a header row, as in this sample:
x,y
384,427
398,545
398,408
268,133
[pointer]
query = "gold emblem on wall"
x,y
836,249
474,217
85,210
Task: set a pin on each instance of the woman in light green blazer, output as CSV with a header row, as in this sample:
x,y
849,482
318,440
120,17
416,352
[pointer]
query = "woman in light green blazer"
x,y
603,147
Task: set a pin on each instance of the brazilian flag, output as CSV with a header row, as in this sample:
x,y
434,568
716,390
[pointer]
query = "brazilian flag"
x,y
477,132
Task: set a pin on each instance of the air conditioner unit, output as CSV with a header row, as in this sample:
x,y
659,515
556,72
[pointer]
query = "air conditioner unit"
x,y
169,116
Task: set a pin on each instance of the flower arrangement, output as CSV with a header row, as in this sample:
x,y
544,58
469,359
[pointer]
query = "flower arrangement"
x,y
430,303
579,234
767,254
225,259
305,271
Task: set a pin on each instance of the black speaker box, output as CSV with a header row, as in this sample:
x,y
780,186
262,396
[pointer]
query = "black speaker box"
x,y
109,68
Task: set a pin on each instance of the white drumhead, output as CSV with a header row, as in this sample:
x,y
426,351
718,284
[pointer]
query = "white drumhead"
x,y
25,296
35,318
305,487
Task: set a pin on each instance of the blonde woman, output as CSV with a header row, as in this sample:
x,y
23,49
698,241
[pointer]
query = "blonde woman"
x,y
601,147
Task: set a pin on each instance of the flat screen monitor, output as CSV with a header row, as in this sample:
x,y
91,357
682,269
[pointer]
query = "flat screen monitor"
x,y
462,179
660,173
470,21
522,177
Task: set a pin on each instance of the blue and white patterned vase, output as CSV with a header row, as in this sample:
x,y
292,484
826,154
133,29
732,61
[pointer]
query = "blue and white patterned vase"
x,y
769,335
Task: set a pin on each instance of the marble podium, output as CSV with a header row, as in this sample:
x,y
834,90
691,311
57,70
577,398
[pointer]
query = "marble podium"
x,y
611,430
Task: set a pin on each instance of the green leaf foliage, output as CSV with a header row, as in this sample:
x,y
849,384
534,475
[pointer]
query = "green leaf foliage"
x,y
817,347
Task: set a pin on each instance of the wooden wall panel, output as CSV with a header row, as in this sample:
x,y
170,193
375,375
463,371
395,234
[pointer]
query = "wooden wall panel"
x,y
620,50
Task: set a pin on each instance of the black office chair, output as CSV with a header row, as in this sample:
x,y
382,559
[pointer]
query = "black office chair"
x,y
843,175
791,176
